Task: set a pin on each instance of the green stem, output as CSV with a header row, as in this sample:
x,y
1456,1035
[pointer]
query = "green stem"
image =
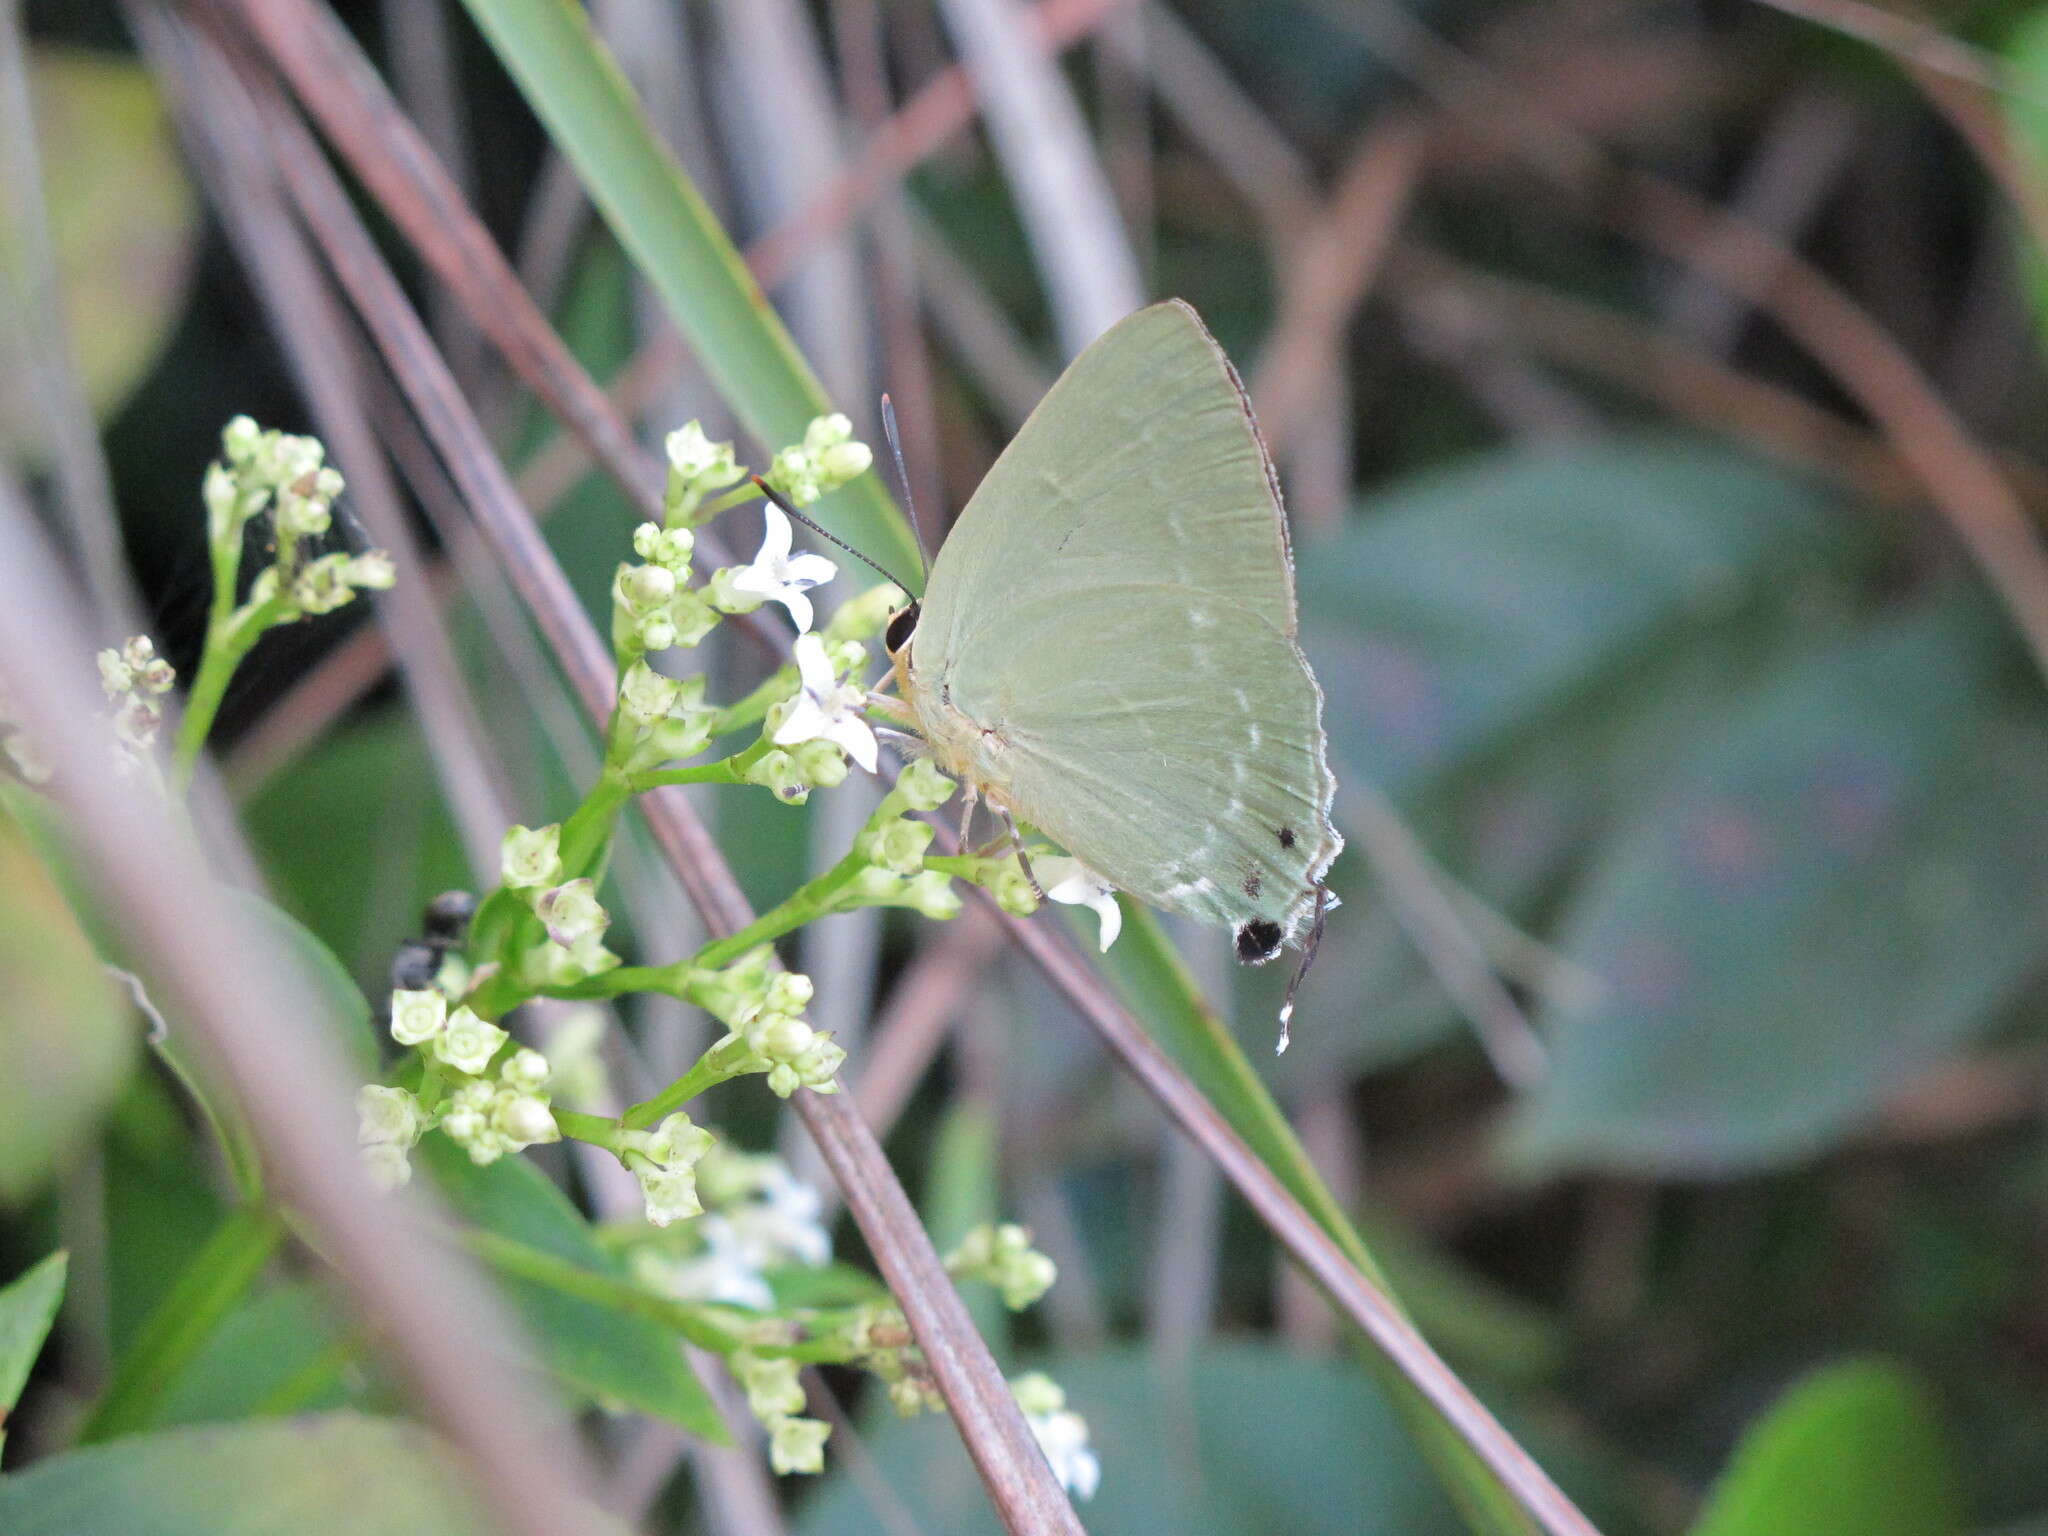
x,y
728,1059
230,636
753,709
511,1257
721,772
216,1278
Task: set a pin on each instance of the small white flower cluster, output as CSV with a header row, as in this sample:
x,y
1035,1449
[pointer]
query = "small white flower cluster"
x,y
895,843
759,1219
664,1160
696,467
486,1117
763,1009
1002,1256
828,457
530,863
774,576
289,476
776,1398
1061,1433
134,678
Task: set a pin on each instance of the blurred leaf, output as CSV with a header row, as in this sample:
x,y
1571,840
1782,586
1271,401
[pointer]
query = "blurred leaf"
x,y
346,1015
330,1475
608,1354
1244,1441
66,1031
583,99
282,1351
1853,1450
28,1306
123,225
2025,106
1469,602
356,841
1841,886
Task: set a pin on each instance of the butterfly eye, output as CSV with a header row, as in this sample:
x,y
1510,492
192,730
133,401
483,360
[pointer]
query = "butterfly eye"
x,y
901,627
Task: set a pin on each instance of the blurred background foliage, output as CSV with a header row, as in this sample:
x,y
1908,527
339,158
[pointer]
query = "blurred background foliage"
x,y
1680,1041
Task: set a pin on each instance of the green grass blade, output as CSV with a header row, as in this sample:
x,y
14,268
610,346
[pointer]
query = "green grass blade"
x,y
588,109
1155,985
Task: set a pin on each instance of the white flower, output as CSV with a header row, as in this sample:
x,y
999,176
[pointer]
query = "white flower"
x,y
468,1043
776,576
825,708
387,1114
670,1193
706,465
797,1445
416,1017
531,856
721,1273
780,1225
1062,1435
1075,884
387,1164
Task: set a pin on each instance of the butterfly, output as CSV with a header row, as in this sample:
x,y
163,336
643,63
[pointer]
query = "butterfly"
x,y
1106,645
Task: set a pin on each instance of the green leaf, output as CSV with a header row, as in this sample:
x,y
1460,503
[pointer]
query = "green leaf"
x,y
1853,1450
2025,105
1156,985
123,226
284,1351
1469,603
583,100
1842,884
346,1016
28,1306
607,1353
1244,1441
67,1035
331,1475
352,817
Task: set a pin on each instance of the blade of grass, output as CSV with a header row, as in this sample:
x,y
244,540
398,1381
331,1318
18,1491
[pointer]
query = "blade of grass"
x,y
676,242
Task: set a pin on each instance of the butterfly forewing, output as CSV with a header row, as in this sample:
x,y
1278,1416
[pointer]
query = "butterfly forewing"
x,y
1116,605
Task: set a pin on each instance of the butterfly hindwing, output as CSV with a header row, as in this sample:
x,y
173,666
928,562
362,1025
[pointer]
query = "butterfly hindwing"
x,y
1117,603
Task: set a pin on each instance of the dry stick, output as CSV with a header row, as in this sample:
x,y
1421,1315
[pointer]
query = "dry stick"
x,y
296,295
1684,378
1330,268
1962,480
1013,1469
1312,1247
439,1329
983,1410
77,459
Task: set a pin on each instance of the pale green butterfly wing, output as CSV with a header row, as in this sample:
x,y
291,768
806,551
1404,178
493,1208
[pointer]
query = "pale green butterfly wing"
x,y
1116,604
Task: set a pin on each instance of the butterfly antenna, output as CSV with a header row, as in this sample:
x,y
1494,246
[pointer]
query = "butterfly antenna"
x,y
903,479
1308,958
783,502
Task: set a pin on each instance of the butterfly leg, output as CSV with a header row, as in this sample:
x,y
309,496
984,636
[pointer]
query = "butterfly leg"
x,y
968,797
1017,847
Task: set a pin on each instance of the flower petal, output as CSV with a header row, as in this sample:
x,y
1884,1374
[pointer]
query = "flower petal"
x,y
855,737
776,538
810,570
807,721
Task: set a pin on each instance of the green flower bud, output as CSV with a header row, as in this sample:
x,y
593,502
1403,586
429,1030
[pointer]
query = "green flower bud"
x,y
899,846
1038,1395
795,474
531,857
820,763
670,1194
679,1141
644,588
372,570
116,676
572,912
932,894
922,787
645,695
692,617
525,1070
1012,889
841,462
524,1120
797,1445
772,1388
778,771
789,992
699,463
239,439
826,432
780,1037
666,547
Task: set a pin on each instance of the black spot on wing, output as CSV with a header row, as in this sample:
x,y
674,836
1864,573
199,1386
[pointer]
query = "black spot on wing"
x,y
1252,884
1286,836
1258,941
